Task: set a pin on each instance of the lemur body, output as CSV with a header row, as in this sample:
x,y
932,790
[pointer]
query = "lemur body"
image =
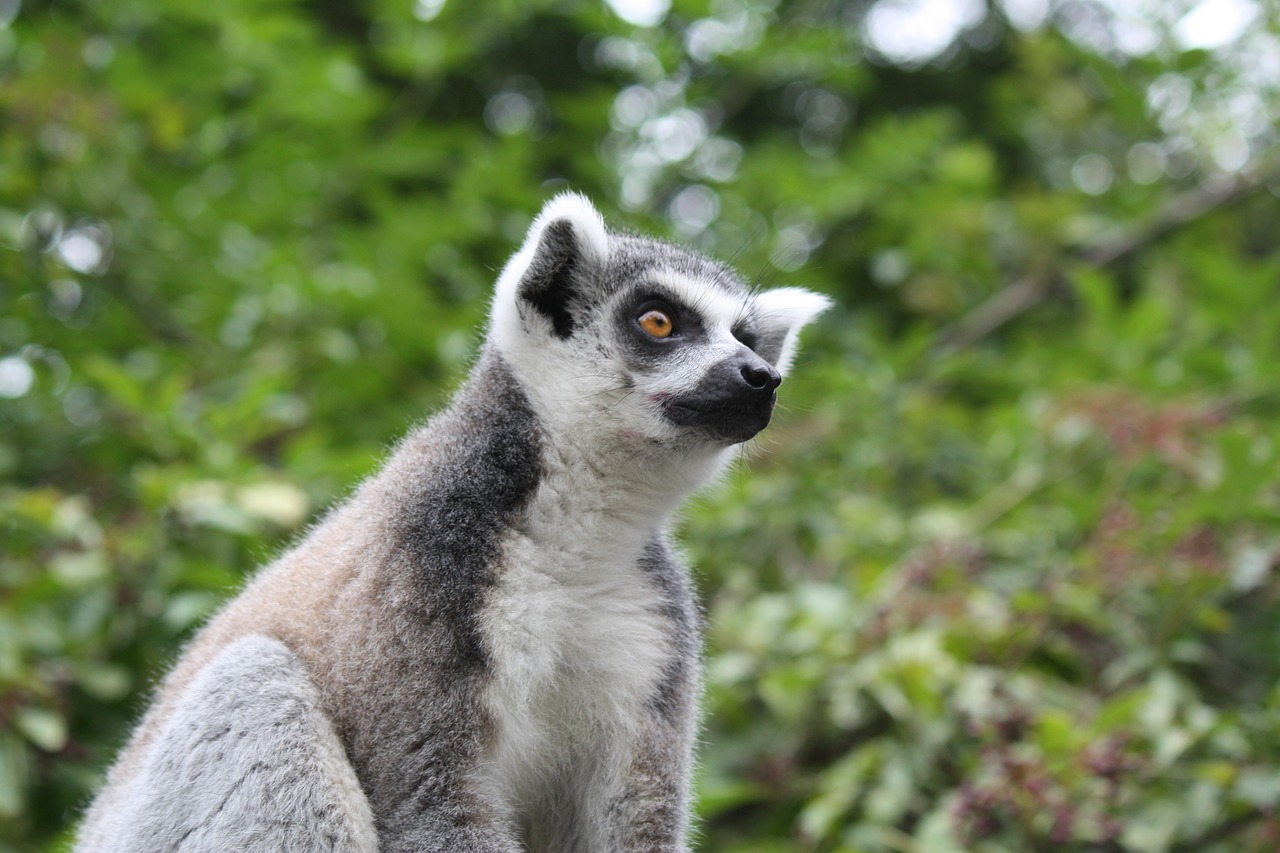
x,y
491,647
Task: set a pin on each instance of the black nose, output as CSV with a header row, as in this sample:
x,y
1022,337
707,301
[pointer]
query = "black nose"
x,y
732,402
760,376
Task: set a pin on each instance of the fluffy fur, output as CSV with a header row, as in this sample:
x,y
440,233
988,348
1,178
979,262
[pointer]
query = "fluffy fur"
x,y
492,646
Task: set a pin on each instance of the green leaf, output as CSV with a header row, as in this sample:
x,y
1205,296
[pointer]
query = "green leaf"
x,y
13,775
45,728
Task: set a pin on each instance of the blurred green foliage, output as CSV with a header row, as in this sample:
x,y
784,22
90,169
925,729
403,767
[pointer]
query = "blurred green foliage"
x,y
1004,576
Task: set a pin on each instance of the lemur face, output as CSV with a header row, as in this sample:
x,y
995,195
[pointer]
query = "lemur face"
x,y
688,345
648,342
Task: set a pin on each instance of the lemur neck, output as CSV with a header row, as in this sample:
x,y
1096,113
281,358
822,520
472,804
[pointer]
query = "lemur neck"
x,y
599,507
597,493
607,494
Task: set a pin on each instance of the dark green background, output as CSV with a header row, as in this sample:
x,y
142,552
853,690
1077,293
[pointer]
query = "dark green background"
x,y
1002,577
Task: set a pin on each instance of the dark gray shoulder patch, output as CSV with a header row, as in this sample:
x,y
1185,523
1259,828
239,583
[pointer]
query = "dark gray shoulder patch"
x,y
484,462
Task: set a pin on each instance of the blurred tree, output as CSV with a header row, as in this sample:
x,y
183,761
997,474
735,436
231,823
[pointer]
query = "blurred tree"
x,y
1014,587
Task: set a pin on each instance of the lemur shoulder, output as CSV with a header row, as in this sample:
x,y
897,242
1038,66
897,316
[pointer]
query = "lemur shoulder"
x,y
491,646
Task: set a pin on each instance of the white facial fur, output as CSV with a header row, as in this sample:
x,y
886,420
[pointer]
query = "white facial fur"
x,y
582,385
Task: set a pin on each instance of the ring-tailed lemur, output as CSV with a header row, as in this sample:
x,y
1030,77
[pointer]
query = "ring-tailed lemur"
x,y
491,647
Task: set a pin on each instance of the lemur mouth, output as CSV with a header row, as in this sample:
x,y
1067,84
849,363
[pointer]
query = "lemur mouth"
x,y
731,421
732,402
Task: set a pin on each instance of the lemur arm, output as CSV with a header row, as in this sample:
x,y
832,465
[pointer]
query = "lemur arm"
x,y
246,760
650,813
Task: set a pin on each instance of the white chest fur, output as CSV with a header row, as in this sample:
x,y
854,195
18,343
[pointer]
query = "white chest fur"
x,y
579,645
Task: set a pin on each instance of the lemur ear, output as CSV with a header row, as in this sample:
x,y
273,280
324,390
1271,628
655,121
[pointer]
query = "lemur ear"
x,y
566,246
780,314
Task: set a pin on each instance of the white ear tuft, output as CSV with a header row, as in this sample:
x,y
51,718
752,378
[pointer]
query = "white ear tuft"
x,y
576,223
782,313
587,223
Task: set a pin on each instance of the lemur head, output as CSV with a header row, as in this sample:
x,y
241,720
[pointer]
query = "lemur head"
x,y
638,343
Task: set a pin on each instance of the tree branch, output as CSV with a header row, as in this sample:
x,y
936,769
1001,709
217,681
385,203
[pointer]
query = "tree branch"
x,y
1030,290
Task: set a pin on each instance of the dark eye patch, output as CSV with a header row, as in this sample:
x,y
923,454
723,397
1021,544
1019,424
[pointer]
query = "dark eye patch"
x,y
745,336
686,320
657,321
656,303
643,349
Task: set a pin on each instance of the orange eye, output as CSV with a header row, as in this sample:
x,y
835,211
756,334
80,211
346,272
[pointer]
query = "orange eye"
x,y
656,324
